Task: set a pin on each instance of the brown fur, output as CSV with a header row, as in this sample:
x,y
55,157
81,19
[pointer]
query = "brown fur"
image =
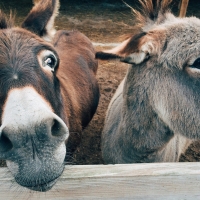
x,y
78,87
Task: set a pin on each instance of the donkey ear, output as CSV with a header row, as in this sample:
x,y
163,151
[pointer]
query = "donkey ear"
x,y
134,50
40,19
6,22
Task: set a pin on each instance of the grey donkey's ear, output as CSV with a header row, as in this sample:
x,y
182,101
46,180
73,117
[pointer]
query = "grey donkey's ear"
x,y
40,19
136,49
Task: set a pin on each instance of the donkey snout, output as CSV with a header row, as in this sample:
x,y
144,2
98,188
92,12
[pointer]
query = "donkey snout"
x,y
28,118
32,139
35,153
51,130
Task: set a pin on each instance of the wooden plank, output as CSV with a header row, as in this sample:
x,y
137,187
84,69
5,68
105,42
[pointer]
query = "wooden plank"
x,y
183,9
134,181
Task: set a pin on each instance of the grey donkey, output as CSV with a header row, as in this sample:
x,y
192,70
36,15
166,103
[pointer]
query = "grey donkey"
x,y
155,113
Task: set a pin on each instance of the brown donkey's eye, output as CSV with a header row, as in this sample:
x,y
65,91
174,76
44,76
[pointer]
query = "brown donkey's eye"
x,y
50,61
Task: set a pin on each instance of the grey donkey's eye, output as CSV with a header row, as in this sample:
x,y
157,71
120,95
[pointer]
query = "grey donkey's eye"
x,y
196,64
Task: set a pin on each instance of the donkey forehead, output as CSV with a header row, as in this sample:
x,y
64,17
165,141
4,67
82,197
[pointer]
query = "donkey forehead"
x,y
179,26
19,60
15,42
179,34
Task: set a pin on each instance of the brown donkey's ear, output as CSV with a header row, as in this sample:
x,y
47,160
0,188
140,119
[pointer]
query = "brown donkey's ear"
x,y
41,18
136,49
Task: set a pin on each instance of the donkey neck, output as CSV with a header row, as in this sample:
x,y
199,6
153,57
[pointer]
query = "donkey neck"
x,y
149,134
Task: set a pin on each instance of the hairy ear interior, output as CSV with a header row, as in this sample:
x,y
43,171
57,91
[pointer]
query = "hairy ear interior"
x,y
6,22
40,19
136,49
134,58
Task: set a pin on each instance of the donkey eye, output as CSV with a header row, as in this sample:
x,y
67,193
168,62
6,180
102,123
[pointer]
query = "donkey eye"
x,y
196,64
50,61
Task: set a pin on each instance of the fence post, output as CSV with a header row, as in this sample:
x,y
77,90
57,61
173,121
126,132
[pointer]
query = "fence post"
x,y
183,9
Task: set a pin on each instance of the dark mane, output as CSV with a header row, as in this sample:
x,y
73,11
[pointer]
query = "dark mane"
x,y
151,12
6,21
152,9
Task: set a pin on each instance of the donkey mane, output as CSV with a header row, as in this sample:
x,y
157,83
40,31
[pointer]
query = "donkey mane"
x,y
151,13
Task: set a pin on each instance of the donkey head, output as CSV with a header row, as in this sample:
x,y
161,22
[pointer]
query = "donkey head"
x,y
162,85
32,132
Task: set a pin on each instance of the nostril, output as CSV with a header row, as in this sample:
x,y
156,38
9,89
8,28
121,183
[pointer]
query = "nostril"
x,y
56,129
5,143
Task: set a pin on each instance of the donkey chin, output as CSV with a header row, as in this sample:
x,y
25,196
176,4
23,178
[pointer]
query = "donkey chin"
x,y
37,174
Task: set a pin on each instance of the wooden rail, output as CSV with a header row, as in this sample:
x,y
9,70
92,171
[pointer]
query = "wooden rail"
x,y
134,181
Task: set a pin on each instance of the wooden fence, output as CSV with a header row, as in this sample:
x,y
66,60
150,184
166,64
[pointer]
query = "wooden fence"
x,y
134,181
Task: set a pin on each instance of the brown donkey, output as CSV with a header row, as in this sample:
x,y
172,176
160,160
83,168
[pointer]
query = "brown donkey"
x,y
155,112
48,94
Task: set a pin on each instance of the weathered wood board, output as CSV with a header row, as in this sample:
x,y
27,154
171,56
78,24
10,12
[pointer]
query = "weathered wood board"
x,y
134,181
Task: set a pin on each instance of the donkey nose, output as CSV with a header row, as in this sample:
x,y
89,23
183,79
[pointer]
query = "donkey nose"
x,y
5,143
58,128
53,127
12,135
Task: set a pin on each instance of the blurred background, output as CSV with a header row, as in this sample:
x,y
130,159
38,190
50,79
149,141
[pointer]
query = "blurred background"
x,y
102,16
